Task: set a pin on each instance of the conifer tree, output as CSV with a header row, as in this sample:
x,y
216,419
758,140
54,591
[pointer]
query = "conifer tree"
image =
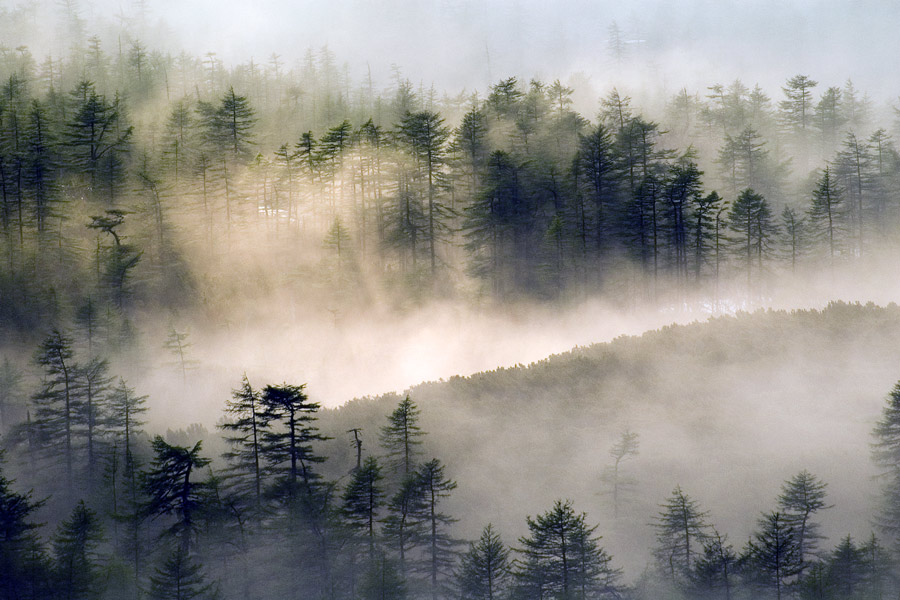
x,y
801,497
773,555
434,487
180,577
424,136
75,553
751,219
362,499
625,447
826,213
403,527
484,570
886,456
288,443
681,530
401,436
171,491
58,403
562,558
23,562
244,432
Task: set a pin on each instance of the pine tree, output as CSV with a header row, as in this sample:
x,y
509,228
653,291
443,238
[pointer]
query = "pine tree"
x,y
401,436
853,169
681,530
289,440
801,497
170,490
484,570
826,213
751,219
179,577
715,569
561,558
124,421
362,499
797,108
57,404
434,487
598,169
424,136
794,235
75,553
886,456
773,555
847,571
625,447
97,134
93,386
23,562
244,432
233,123
706,210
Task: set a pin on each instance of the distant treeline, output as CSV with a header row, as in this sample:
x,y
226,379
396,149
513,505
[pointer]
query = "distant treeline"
x,y
140,517
136,178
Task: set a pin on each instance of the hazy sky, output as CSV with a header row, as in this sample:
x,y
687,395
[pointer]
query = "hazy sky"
x,y
469,43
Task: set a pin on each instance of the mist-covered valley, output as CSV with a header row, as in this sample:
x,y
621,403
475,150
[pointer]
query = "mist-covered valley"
x,y
507,305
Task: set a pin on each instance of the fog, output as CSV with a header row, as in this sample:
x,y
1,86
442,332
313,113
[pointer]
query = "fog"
x,y
532,305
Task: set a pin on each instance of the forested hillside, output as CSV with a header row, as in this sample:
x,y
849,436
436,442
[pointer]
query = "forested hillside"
x,y
709,424
186,243
137,180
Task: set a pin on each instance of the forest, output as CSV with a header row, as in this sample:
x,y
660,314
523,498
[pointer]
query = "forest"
x,y
151,199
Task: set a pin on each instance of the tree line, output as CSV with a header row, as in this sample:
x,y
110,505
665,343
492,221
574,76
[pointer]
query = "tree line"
x,y
140,516
143,173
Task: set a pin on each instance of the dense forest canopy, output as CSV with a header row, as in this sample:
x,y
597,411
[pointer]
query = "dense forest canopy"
x,y
197,254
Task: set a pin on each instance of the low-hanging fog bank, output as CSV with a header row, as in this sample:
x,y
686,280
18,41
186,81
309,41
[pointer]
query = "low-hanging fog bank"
x,y
728,410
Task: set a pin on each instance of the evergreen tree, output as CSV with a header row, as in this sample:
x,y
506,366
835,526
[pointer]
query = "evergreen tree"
x,y
170,490
244,432
826,214
715,569
751,219
886,456
289,440
485,569
424,136
773,555
124,420
401,436
97,134
794,235
180,577
403,526
75,554
847,571
561,558
625,447
681,531
703,229
434,487
57,404
853,169
232,124
797,108
801,497
23,562
362,499
93,386
598,169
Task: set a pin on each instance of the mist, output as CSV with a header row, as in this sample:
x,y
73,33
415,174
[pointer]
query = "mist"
x,y
339,284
